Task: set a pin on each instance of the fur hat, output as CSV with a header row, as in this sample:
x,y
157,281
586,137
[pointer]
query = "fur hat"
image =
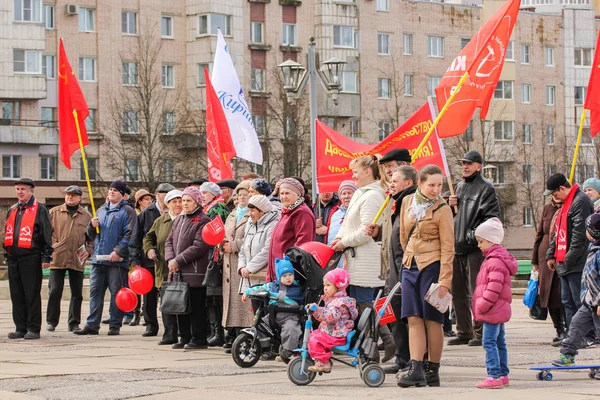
x,y
282,267
194,193
491,230
339,277
211,187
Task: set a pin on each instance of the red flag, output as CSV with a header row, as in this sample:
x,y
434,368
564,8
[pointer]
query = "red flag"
x,y
219,145
483,58
70,97
592,99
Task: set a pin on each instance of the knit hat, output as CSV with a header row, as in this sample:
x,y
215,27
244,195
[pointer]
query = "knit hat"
x,y
260,202
491,230
283,266
592,224
261,186
339,277
211,187
194,193
173,194
120,186
348,185
292,184
593,183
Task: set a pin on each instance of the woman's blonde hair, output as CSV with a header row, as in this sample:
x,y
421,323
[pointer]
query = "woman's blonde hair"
x,y
372,163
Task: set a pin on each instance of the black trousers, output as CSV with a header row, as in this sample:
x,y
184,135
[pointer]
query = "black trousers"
x,y
150,307
194,326
465,270
56,284
25,282
400,332
170,328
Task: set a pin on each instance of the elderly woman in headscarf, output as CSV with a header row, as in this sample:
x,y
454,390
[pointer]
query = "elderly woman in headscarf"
x,y
260,186
154,248
296,226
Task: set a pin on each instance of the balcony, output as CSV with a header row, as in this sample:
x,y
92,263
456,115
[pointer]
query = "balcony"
x,y
27,134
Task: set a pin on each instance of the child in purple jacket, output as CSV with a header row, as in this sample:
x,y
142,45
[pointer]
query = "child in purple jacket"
x,y
491,300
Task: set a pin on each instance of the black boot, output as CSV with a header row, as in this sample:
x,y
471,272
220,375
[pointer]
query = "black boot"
x,y
215,313
136,319
432,373
414,377
559,324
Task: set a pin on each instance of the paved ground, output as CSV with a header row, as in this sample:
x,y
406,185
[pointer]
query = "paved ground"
x,y
64,366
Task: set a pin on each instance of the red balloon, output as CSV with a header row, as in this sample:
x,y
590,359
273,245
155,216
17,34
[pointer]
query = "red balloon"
x,y
126,300
213,232
320,251
140,280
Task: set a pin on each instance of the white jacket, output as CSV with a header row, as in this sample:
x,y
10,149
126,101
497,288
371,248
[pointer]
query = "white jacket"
x,y
364,268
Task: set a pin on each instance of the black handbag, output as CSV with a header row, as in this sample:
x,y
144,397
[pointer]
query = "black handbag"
x,y
537,312
175,296
214,272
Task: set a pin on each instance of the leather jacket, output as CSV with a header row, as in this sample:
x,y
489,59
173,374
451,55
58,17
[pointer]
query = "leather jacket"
x,y
477,202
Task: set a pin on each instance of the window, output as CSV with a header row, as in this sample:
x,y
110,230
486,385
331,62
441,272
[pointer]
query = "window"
x,y
549,56
129,23
583,57
432,83
257,80
210,23
256,32
48,172
48,117
28,10
48,16
510,51
526,133
169,123
435,46
343,36
27,61
526,93
168,76
49,66
408,85
383,5
166,26
525,54
87,69
580,92
551,169
527,173
259,124
497,174
468,135
550,135
169,170
349,82
289,35
201,81
407,44
354,126
132,172
11,167
504,90
385,128
527,216
130,121
383,44
504,130
90,121
550,95
92,164
383,88
329,121
464,42
86,20
11,110
130,74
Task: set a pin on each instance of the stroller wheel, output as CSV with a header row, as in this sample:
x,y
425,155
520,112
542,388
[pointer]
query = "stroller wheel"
x,y
373,375
295,373
244,352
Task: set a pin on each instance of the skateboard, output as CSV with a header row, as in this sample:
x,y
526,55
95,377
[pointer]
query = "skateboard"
x,y
546,375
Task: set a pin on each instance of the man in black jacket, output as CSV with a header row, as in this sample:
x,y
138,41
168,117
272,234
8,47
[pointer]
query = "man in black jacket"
x,y
142,225
28,246
568,249
477,202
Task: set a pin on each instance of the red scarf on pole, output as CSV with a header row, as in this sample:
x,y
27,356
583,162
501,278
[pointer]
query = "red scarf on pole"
x,y
561,226
26,228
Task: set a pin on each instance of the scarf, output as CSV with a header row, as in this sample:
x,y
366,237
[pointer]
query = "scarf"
x,y
217,199
240,213
420,204
26,228
287,210
562,225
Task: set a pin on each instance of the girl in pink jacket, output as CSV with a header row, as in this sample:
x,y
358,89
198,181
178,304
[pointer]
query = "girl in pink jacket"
x,y
491,300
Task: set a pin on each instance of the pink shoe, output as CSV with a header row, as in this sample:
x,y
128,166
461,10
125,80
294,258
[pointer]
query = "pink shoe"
x,y
490,383
505,380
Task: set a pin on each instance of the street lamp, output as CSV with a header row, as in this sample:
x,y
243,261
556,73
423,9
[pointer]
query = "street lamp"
x,y
294,80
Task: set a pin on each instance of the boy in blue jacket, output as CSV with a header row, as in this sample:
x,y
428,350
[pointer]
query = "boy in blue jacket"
x,y
285,292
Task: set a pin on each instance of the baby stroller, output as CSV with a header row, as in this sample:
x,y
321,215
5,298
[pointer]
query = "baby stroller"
x,y
264,336
361,345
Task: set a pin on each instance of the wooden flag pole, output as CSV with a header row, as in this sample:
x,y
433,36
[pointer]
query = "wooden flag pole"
x,y
581,122
85,167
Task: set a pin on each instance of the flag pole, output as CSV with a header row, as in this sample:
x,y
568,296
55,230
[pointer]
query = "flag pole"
x,y
85,167
579,134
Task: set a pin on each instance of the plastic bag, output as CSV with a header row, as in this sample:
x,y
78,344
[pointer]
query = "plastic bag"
x,y
532,290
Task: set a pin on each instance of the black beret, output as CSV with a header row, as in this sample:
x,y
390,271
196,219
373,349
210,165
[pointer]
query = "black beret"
x,y
228,183
396,155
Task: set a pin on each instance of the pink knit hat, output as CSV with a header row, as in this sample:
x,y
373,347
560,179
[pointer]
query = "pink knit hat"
x,y
194,193
339,277
491,230
293,185
348,185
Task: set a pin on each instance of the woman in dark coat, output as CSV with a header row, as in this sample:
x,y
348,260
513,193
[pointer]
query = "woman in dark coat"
x,y
549,289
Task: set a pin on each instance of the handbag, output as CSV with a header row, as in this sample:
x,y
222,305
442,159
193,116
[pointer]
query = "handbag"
x,y
537,312
175,296
214,272
532,290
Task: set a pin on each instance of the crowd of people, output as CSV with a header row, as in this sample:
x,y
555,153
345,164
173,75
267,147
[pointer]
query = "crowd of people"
x,y
424,237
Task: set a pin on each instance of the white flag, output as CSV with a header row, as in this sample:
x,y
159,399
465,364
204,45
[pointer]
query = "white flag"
x,y
230,92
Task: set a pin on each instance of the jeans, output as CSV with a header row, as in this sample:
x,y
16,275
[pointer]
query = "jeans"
x,y
570,294
56,284
102,277
496,354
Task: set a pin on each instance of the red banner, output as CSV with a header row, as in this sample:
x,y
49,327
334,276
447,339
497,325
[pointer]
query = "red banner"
x,y
335,151
592,100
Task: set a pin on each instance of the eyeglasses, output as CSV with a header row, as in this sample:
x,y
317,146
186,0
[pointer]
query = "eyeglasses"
x,y
242,196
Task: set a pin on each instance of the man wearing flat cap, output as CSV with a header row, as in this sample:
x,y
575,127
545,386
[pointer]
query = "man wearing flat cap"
x,y
69,222
227,188
28,247
477,202
393,159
